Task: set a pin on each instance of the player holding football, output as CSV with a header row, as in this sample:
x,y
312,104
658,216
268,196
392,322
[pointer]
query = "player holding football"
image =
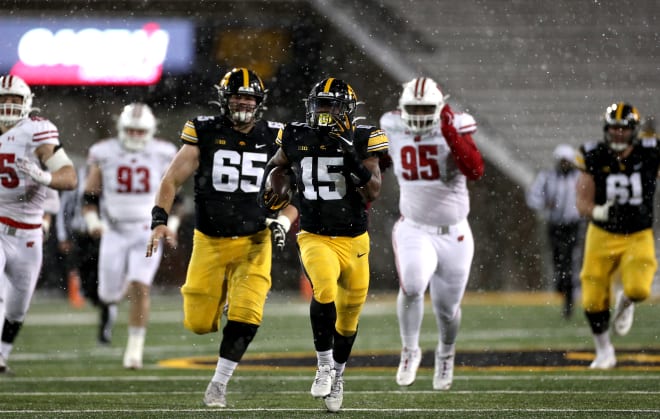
x,y
231,257
616,189
433,155
119,192
30,144
337,174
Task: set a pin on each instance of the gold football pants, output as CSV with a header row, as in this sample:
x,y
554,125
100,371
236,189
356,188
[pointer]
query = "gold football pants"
x,y
632,254
235,271
338,268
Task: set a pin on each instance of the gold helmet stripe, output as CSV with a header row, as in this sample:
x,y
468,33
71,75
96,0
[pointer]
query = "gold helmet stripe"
x,y
619,111
328,83
246,77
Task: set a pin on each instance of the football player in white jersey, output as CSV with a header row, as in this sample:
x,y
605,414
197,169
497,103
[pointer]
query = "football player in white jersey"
x,y
123,177
31,161
433,156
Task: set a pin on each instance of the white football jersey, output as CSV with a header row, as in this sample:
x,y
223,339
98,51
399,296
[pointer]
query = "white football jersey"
x,y
433,190
130,179
21,197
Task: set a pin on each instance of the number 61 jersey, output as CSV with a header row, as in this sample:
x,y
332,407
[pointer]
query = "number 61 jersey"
x,y
433,191
629,182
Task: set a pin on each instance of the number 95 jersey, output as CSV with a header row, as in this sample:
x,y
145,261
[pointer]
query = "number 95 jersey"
x,y
629,182
433,191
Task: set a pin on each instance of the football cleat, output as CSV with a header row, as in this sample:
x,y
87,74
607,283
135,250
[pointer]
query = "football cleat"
x,y
133,353
604,360
407,372
3,365
623,316
334,400
444,371
216,395
322,385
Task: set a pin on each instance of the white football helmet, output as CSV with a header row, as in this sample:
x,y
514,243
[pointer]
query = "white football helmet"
x,y
420,104
136,126
11,113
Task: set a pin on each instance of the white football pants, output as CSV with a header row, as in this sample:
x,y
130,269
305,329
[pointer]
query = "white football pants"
x,y
440,262
122,260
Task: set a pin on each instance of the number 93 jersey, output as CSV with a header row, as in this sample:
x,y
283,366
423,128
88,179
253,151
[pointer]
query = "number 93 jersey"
x,y
130,179
227,181
629,182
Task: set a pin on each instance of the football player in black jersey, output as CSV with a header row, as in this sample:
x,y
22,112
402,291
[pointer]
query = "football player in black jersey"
x,y
337,174
616,189
229,269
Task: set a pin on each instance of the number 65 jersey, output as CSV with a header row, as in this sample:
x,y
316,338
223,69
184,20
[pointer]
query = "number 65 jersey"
x,y
227,181
433,191
629,182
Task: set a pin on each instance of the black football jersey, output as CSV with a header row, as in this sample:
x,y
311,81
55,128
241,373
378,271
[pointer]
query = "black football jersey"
x,y
231,166
328,201
629,182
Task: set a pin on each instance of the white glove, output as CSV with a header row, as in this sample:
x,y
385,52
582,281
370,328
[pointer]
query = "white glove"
x,y
31,169
602,212
94,223
279,227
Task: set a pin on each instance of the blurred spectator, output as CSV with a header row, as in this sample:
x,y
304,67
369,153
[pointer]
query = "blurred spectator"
x,y
79,249
553,194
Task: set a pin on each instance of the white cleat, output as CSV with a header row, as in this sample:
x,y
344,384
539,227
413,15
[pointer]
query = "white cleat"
x,y
216,395
623,316
407,372
133,353
605,360
322,385
444,371
334,400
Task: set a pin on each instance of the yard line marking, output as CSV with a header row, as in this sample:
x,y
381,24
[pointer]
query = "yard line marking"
x,y
204,377
292,392
366,410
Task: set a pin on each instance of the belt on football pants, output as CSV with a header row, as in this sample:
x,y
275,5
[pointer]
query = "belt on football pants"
x,y
11,227
440,229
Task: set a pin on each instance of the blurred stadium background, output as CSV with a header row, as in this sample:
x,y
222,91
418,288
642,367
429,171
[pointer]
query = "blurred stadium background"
x,y
534,74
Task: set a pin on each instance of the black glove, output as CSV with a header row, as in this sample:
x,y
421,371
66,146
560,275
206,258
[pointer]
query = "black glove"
x,y
344,132
278,234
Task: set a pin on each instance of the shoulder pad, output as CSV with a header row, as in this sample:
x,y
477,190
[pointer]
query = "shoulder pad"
x,y
464,123
649,142
275,125
590,146
203,118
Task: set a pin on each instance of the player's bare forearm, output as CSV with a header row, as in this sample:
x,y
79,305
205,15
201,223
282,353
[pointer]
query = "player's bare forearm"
x,y
166,194
371,190
64,179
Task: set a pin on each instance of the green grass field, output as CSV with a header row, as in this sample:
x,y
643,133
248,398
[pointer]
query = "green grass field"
x,y
517,358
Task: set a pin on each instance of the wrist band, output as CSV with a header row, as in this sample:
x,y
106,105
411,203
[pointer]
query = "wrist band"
x,y
158,217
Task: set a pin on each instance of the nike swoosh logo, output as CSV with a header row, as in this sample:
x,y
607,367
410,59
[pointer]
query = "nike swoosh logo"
x,y
258,146
361,254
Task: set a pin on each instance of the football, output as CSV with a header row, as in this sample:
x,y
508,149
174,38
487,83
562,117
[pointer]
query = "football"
x,y
278,188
